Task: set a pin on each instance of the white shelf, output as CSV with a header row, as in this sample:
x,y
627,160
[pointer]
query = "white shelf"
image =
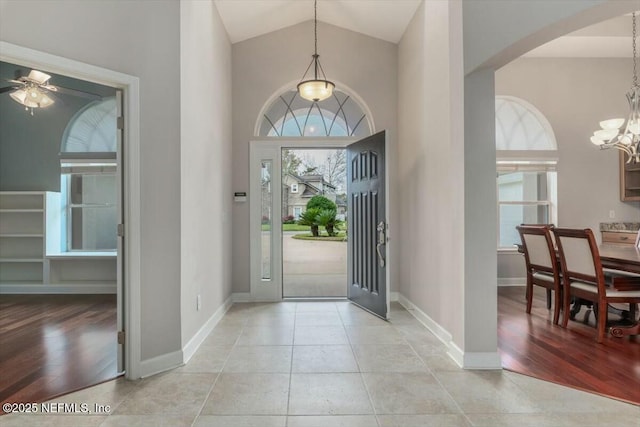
x,y
31,229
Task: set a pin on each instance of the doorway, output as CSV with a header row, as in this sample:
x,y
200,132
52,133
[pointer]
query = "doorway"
x,y
367,270
314,223
61,249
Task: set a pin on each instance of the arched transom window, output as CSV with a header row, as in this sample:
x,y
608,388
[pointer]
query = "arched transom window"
x,y
520,126
291,115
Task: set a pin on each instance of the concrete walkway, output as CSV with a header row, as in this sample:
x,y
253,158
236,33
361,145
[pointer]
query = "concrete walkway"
x,y
313,268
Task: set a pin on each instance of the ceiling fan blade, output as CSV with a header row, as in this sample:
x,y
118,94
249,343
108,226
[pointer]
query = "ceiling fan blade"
x,y
7,89
78,93
49,88
16,81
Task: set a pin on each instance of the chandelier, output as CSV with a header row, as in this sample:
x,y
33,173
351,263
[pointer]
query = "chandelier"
x,y
316,89
610,136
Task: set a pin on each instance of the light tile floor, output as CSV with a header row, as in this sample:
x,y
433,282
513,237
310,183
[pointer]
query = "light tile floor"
x,y
330,364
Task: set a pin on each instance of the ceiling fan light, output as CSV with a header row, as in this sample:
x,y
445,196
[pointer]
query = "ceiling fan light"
x,y
45,101
316,90
612,124
19,96
626,139
39,77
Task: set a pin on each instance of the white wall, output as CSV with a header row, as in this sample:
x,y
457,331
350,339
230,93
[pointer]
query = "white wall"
x,y
498,31
139,38
205,156
263,65
431,165
575,94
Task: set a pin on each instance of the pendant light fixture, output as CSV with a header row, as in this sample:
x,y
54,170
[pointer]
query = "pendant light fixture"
x,y
610,135
318,88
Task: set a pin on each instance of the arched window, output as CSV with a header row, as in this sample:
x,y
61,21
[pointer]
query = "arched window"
x,y
92,129
291,115
521,126
526,168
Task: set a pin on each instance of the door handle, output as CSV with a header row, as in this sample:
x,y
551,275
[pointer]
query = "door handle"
x,y
382,238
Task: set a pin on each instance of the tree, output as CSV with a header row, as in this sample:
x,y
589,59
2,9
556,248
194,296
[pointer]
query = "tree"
x,y
290,162
327,219
321,202
308,218
334,168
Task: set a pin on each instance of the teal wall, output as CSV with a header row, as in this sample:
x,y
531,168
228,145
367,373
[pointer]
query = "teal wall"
x,y
29,145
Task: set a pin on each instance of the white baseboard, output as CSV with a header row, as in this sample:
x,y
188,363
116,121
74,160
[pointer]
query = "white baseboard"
x,y
394,296
161,363
194,343
246,297
468,360
441,333
79,288
512,281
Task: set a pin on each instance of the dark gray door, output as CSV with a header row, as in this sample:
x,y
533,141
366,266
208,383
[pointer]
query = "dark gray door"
x,y
367,224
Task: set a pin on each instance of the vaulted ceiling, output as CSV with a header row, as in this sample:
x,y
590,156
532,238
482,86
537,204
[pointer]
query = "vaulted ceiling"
x,y
388,20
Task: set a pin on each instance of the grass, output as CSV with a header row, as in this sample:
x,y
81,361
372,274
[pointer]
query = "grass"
x,y
288,227
341,237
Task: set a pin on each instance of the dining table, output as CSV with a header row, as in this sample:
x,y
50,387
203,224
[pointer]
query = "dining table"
x,y
623,258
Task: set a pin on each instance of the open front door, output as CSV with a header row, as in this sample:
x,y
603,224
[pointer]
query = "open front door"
x,y
367,224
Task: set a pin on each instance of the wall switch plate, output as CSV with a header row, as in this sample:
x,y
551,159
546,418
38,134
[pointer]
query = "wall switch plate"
x,y
612,214
198,302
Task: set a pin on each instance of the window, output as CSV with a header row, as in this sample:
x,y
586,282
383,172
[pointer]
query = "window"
x,y
297,211
524,197
526,180
89,179
90,197
294,188
291,115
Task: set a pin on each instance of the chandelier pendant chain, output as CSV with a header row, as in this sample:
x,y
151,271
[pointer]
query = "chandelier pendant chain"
x,y
315,34
635,54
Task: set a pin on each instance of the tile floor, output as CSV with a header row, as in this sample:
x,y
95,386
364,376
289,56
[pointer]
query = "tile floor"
x,y
329,364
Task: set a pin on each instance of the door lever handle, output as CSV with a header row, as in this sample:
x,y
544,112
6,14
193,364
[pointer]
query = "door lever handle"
x,y
382,238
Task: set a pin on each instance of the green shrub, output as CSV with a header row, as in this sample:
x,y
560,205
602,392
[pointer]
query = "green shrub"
x,y
321,202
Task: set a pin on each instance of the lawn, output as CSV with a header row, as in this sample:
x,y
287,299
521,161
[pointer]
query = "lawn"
x,y
288,227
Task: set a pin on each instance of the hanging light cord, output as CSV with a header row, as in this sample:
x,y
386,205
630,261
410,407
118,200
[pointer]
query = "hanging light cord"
x,y
635,55
315,24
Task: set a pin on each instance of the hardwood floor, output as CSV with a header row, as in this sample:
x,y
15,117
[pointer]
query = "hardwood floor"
x,y
533,346
54,344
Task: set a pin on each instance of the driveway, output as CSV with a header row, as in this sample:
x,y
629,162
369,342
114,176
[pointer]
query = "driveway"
x,y
313,268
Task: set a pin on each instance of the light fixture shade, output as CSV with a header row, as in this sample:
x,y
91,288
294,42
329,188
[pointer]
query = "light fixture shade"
x,y
32,97
606,134
612,124
596,141
19,96
316,90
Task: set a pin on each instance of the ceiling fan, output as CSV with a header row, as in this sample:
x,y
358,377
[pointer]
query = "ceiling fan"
x,y
34,91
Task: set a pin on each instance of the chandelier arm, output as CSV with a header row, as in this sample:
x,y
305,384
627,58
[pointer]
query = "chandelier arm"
x,y
307,70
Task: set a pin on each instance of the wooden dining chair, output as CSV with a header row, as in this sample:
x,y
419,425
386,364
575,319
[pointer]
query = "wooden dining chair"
x,y
542,265
583,276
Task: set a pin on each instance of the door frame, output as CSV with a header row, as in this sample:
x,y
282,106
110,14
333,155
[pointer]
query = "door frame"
x,y
130,85
270,146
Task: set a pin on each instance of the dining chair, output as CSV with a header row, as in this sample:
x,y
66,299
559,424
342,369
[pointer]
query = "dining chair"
x,y
542,265
583,276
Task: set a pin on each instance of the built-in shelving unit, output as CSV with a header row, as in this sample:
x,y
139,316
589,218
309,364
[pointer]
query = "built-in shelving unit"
x,y
629,180
31,260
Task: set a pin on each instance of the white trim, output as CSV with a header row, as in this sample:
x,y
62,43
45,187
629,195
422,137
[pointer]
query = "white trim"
x,y
79,288
131,171
441,333
482,361
194,343
464,360
161,363
512,281
394,296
